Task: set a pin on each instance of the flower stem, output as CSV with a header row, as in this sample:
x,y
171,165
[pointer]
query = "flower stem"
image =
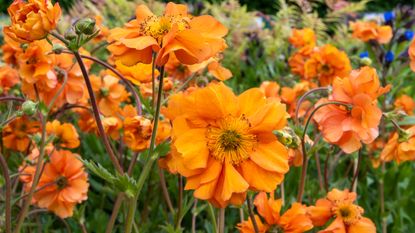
x,y
97,116
221,225
8,210
305,157
353,185
252,215
301,100
179,203
150,159
114,214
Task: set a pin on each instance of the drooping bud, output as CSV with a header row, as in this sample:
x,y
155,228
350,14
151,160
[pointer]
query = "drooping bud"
x,y
288,137
85,26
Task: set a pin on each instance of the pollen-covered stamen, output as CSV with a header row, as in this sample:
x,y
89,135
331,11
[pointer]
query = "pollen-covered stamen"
x,y
157,27
348,212
231,140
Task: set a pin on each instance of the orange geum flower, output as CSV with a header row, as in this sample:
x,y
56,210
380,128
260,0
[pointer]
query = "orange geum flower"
x,y
138,73
327,63
64,182
271,90
137,132
9,77
10,49
192,39
110,93
225,140
297,62
303,37
406,104
32,20
16,133
294,220
66,134
400,147
338,205
347,127
367,31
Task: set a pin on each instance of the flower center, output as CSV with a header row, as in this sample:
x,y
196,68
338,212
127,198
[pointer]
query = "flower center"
x,y
61,182
231,140
157,27
349,213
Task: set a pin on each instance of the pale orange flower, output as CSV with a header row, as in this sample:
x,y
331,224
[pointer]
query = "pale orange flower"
x,y
9,77
338,205
66,134
294,220
400,148
348,127
32,20
303,37
65,184
367,31
16,133
10,49
225,140
87,123
327,63
411,53
406,104
110,93
271,90
137,132
192,39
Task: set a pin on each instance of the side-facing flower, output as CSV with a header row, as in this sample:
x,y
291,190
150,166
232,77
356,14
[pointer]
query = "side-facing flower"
x,y
192,39
400,146
32,20
348,127
405,103
225,140
294,220
9,77
16,134
339,206
65,134
303,37
367,31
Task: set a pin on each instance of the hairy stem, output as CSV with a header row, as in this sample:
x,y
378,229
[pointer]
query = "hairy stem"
x,y
8,209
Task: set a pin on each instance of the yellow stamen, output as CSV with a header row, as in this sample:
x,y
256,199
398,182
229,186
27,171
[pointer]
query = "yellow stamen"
x,y
157,27
349,213
231,140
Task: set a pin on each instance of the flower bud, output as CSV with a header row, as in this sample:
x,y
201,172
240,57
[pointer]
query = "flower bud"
x,y
70,34
29,107
85,26
288,137
58,48
366,61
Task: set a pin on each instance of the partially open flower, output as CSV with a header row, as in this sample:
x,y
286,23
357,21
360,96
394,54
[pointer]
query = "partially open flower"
x,y
32,20
65,134
400,146
406,104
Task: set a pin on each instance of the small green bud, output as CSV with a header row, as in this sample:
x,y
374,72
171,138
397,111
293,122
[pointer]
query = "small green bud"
x,y
58,48
70,34
366,61
104,92
85,26
29,107
288,137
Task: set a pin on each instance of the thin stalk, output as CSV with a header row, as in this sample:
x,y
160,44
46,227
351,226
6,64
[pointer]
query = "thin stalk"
x,y
221,226
165,191
52,102
11,98
114,214
382,199
153,78
179,202
211,213
326,178
301,100
305,157
252,215
36,177
194,215
319,174
97,116
8,209
353,185
151,158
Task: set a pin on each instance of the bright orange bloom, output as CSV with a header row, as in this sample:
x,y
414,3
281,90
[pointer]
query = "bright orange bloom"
x,y
348,127
298,60
411,53
65,184
32,20
137,132
303,37
405,103
338,205
225,140
110,93
367,31
400,148
294,220
16,133
192,39
10,49
327,63
138,73
66,134
9,77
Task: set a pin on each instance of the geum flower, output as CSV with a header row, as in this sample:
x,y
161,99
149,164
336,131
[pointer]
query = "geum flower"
x,y
400,146
16,134
225,140
348,127
192,39
338,205
32,20
294,220
303,37
64,184
405,103
371,31
65,134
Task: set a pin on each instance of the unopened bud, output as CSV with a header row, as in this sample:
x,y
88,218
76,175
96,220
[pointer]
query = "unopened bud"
x,y
288,137
29,107
70,34
58,48
85,26
366,61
